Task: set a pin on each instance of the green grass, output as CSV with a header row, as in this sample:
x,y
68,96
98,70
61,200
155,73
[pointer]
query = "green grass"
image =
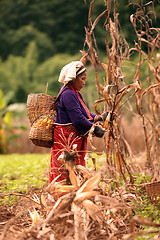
x,y
20,173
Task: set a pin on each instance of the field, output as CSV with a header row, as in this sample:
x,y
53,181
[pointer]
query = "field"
x,y
21,176
117,196
19,173
23,182
23,173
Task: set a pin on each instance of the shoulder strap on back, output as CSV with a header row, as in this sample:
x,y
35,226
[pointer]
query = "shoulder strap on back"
x,y
59,94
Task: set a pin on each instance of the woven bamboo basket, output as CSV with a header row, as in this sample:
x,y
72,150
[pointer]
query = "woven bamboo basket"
x,y
41,117
39,104
153,190
41,132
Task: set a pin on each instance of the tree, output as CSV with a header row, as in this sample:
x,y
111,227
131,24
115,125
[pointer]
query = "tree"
x,y
59,25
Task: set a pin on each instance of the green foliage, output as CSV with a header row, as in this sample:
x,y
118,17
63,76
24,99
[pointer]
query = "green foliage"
x,y
39,37
150,211
7,112
2,100
20,173
5,120
145,206
25,75
129,70
56,26
48,72
27,34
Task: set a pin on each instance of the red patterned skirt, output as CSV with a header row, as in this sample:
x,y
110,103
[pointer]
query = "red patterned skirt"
x,y
64,139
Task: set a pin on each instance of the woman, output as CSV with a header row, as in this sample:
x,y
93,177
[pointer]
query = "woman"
x,y
73,119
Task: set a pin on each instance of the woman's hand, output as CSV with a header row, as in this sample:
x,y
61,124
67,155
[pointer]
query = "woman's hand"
x,y
98,132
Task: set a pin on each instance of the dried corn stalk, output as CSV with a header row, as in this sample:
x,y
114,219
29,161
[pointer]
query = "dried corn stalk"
x,y
115,89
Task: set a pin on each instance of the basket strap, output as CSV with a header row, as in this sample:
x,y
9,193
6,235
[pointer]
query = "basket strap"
x,y
60,92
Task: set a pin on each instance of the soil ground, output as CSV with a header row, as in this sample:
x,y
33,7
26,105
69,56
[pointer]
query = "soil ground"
x,y
15,218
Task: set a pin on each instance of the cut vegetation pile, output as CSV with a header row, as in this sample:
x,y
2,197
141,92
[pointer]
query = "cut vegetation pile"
x,y
93,207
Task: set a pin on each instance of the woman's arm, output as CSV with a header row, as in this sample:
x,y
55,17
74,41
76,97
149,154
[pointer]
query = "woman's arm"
x,y
76,112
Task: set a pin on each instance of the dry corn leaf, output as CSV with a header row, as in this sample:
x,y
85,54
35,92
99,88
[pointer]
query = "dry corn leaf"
x,y
86,173
35,216
60,205
105,66
129,87
89,184
153,70
112,226
51,186
96,105
43,200
73,178
93,210
64,188
96,20
126,90
88,38
63,204
84,57
100,88
133,20
144,221
72,175
84,195
129,196
139,100
106,200
151,87
134,235
106,92
119,162
36,199
42,232
58,187
78,217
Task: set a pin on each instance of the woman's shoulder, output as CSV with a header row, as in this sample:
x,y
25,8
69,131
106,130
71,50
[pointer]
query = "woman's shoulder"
x,y
68,92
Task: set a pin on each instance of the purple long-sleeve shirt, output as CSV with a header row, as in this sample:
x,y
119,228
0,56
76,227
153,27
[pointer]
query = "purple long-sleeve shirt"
x,y
71,111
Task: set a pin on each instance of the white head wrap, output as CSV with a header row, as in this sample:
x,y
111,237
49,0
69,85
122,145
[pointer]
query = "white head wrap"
x,y
69,71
